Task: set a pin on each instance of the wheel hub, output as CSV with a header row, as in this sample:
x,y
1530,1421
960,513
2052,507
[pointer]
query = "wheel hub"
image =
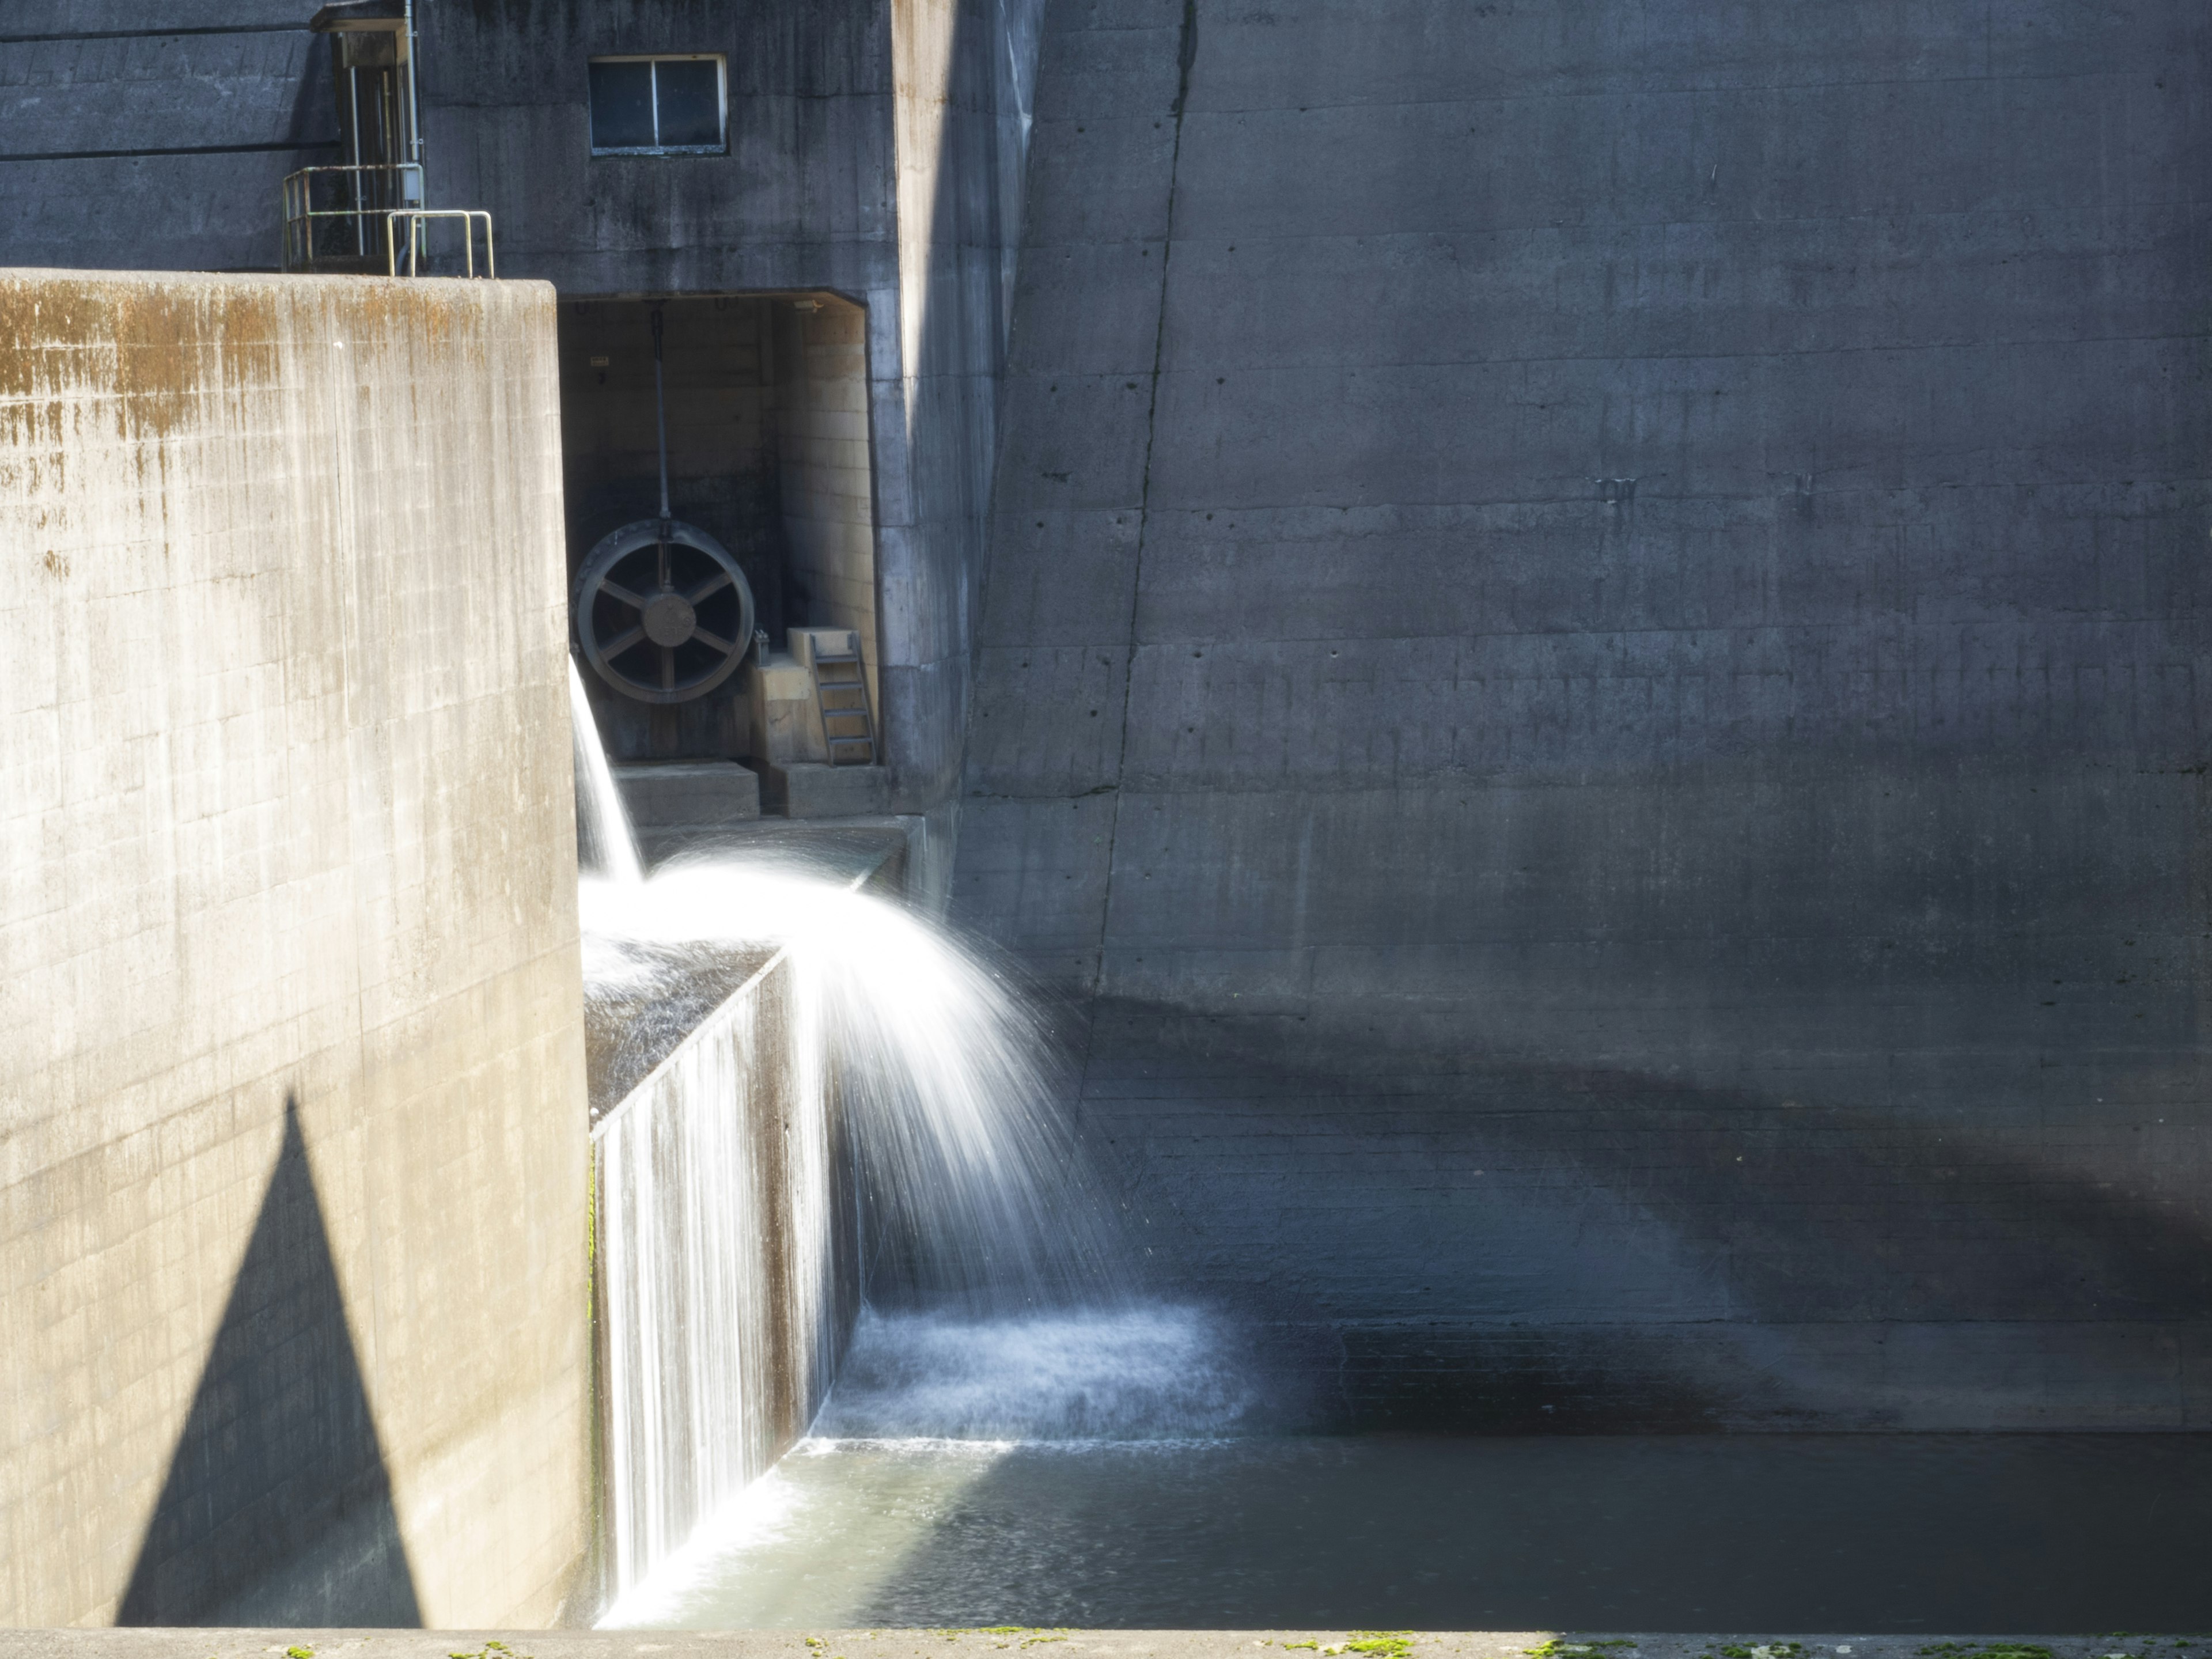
x,y
670,619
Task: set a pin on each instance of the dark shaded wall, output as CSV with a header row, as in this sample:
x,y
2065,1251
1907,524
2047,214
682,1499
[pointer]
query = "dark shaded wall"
x,y
719,371
148,137
1593,673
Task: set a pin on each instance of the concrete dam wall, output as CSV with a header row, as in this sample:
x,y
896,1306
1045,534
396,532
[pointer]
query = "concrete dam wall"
x,y
1592,669
293,1133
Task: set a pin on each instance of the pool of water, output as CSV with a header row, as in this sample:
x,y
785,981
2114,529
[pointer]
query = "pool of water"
x,y
2047,1534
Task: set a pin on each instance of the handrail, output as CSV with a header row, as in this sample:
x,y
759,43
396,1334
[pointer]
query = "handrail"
x,y
368,191
416,215
391,191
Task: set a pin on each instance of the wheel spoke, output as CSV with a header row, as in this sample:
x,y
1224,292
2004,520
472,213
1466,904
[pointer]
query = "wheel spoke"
x,y
617,591
713,639
621,642
713,584
667,669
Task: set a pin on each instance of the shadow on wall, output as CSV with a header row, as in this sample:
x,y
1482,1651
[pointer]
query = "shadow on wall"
x,y
277,1507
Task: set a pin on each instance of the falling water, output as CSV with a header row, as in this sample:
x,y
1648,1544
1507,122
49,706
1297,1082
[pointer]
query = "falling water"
x,y
601,821
719,1226
873,1107
973,1186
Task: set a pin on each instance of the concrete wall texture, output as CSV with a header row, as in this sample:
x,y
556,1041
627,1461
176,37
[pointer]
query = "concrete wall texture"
x,y
292,1121
157,142
1594,672
827,487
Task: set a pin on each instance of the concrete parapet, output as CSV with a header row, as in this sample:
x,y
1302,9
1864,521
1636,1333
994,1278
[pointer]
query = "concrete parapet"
x,y
291,1120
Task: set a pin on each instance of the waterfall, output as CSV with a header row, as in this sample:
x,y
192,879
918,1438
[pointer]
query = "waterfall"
x,y
602,822
718,1220
872,1111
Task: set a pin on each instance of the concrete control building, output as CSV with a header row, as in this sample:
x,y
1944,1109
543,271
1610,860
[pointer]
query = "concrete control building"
x,y
1574,633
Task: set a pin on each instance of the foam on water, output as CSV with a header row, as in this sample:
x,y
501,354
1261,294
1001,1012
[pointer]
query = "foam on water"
x,y
1143,1371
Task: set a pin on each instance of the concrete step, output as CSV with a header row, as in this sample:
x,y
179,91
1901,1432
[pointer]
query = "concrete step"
x,y
809,789
686,798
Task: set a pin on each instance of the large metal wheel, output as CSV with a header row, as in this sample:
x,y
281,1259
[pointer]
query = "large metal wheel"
x,y
662,612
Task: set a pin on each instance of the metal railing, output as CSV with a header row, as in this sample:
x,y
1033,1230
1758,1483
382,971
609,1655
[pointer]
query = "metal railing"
x,y
416,217
330,213
332,216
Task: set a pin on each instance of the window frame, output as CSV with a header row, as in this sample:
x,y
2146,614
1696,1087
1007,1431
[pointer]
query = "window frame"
x,y
721,62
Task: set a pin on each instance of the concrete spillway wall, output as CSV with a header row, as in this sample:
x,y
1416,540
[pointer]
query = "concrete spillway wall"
x,y
292,1114
727,1275
726,1219
1593,665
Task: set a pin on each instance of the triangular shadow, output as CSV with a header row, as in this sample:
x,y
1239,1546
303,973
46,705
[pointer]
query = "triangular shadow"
x,y
277,1507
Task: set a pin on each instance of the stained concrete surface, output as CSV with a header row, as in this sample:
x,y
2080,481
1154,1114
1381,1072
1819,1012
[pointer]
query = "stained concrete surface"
x,y
1591,677
292,1132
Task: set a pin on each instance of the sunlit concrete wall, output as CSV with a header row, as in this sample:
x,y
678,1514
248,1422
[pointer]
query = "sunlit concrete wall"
x,y
828,489
292,1121
1593,665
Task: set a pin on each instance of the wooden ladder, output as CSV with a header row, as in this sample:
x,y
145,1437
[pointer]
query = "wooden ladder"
x,y
840,692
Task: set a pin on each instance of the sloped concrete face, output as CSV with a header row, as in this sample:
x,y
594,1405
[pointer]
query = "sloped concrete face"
x,y
293,1247
1590,665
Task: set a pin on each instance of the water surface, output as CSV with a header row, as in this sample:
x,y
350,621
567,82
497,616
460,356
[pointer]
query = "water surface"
x,y
1784,1533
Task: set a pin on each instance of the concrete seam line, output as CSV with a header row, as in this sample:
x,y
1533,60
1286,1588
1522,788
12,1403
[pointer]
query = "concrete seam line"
x,y
1186,56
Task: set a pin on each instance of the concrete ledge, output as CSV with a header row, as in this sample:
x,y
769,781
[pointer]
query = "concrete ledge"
x,y
665,797
810,789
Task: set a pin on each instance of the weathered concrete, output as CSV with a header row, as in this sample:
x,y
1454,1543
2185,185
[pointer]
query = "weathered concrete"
x,y
828,482
1592,666
140,142
292,1133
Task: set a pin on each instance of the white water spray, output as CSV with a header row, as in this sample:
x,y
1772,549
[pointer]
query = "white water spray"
x,y
600,816
974,1193
879,1096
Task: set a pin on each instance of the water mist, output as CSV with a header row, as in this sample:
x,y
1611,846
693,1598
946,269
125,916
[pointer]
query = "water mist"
x,y
1000,1299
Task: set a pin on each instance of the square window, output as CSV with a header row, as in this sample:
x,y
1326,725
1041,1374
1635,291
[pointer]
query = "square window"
x,y
658,106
